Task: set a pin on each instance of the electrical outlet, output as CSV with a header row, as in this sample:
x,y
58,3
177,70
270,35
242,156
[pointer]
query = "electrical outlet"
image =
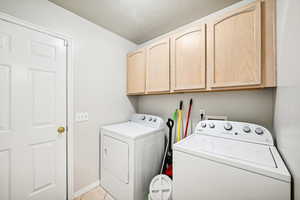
x,y
202,114
81,116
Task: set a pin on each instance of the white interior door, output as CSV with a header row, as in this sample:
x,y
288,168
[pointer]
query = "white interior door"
x,y
32,107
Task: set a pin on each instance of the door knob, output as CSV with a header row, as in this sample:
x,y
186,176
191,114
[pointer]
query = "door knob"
x,y
61,130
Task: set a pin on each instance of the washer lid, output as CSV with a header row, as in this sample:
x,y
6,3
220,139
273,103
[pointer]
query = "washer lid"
x,y
253,157
130,129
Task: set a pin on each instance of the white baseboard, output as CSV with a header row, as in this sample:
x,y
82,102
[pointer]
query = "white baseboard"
x,y
86,189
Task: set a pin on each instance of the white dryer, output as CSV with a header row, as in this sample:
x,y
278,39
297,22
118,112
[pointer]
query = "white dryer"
x,y
229,161
131,155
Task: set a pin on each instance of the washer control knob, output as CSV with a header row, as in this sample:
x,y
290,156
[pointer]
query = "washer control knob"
x,y
211,125
246,129
150,119
228,127
203,124
143,117
259,131
154,120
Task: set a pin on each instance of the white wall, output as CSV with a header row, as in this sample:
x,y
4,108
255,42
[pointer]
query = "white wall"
x,y
254,106
100,76
287,96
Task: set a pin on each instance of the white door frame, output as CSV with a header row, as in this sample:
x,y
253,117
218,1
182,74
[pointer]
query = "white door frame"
x,y
70,92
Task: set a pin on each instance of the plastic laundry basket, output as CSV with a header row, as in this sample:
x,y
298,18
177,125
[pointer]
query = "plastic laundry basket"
x,y
160,188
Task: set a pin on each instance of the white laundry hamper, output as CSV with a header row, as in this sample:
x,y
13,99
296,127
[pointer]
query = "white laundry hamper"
x,y
160,188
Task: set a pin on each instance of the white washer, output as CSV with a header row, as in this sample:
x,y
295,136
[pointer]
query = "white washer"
x,y
131,155
229,161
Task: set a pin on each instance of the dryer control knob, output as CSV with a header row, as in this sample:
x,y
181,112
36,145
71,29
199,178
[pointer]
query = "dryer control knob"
x,y
228,126
211,125
259,131
150,119
143,117
246,129
203,124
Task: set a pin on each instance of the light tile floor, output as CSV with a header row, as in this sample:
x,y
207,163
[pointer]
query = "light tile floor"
x,y
97,193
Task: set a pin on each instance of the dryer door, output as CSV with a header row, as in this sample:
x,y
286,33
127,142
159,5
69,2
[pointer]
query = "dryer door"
x,y
115,154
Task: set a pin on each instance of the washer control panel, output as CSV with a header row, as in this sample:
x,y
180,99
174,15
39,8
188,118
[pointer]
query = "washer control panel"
x,y
148,120
242,131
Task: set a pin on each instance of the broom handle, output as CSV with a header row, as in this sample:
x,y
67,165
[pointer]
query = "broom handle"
x,y
188,118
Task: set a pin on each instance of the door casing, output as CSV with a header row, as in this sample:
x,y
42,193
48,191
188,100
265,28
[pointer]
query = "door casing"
x,y
70,92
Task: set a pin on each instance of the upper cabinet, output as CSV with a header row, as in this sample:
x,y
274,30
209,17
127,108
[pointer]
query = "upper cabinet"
x,y
234,48
188,59
136,66
158,67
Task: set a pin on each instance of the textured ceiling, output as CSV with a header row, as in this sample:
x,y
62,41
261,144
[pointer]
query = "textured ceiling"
x,y
142,20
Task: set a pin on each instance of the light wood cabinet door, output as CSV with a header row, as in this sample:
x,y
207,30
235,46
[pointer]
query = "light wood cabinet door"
x,y
234,48
268,44
136,67
158,67
188,59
